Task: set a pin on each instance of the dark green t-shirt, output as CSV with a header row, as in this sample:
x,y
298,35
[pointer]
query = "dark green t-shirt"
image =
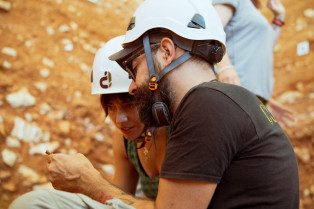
x,y
221,133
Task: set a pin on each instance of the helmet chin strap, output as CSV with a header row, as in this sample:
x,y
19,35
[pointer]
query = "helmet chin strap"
x,y
150,62
160,111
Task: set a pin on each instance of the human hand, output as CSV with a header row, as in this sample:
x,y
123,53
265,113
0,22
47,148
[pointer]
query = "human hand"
x,y
277,8
229,76
282,114
68,172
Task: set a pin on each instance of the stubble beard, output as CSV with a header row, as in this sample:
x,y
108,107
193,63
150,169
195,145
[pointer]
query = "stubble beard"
x,y
146,98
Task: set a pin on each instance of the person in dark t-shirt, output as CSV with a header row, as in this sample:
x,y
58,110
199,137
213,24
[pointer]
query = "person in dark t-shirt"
x,y
225,149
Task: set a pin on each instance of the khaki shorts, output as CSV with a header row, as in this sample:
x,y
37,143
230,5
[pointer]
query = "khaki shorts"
x,y
55,199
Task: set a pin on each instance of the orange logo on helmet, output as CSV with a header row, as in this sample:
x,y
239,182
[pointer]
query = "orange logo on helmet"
x,y
105,82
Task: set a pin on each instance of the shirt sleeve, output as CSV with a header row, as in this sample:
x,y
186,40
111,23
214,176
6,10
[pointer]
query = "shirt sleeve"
x,y
233,3
205,136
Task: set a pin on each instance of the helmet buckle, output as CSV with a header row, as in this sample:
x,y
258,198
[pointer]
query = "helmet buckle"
x,y
153,82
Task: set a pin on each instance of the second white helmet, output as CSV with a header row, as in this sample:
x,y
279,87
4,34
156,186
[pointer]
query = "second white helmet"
x,y
107,76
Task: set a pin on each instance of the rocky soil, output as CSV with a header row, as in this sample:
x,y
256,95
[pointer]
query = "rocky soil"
x,y
46,54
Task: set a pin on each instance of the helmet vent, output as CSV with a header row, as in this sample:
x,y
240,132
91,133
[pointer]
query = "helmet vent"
x,y
197,22
131,24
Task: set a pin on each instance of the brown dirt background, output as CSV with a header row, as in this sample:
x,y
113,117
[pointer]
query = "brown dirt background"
x,y
24,28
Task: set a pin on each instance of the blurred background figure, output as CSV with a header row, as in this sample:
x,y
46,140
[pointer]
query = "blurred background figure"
x,y
250,43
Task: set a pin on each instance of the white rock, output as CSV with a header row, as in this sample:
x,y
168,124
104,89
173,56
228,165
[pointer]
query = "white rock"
x,y
71,8
303,48
12,142
64,28
101,44
75,39
108,5
68,47
50,30
99,137
5,5
72,151
41,86
66,41
73,25
301,116
306,192
44,72
44,108
56,115
110,152
88,124
108,120
93,1
28,117
85,68
309,13
89,48
109,169
311,95
112,127
20,37
9,158
6,64
303,154
9,51
41,148
301,24
25,131
67,141
28,173
48,62
77,94
59,1
117,11
289,97
21,98
28,44
83,34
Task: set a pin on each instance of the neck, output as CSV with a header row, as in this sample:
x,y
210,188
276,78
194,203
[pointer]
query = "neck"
x,y
187,76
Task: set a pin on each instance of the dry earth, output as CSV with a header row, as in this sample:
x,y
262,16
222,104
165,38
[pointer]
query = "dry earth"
x,y
47,49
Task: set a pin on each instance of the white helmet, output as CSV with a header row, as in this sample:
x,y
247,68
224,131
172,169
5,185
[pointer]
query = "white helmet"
x,y
177,16
107,76
188,19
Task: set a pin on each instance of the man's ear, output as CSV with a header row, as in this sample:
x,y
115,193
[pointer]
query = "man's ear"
x,y
168,50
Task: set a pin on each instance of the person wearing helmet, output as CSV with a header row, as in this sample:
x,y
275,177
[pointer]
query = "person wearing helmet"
x,y
136,158
245,24
225,149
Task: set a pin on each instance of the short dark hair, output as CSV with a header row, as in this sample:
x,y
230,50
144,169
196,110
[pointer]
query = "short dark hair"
x,y
124,97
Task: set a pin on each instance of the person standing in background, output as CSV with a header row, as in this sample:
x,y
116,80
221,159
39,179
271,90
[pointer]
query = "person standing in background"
x,y
250,41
